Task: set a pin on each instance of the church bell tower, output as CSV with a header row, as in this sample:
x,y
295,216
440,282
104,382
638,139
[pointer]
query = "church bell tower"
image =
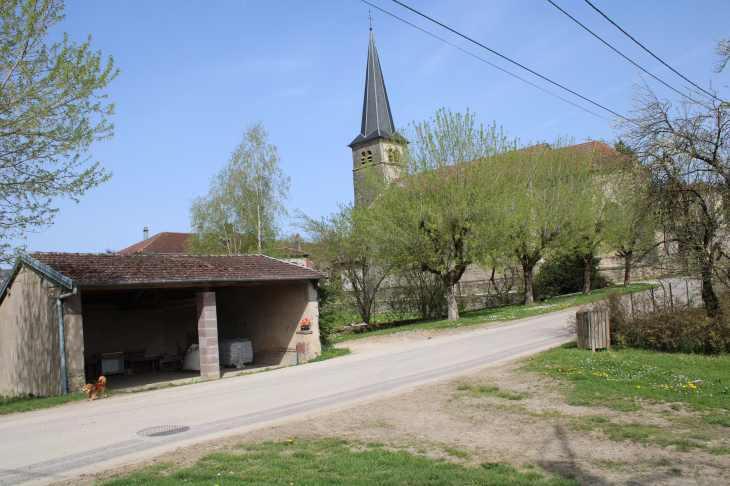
x,y
378,142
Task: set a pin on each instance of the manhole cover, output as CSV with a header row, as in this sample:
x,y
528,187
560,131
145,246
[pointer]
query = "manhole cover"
x,y
163,430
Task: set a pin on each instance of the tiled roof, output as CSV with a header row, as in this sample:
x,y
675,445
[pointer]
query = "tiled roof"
x,y
164,242
294,251
101,269
167,242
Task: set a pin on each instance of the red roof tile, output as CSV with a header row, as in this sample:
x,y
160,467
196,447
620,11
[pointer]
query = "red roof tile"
x,y
164,242
100,268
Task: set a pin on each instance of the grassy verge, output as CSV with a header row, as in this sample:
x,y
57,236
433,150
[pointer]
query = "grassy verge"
x,y
331,353
506,313
696,388
26,404
332,461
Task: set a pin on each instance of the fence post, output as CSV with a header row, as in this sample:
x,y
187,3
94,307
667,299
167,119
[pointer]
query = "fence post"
x,y
686,283
653,302
671,298
633,313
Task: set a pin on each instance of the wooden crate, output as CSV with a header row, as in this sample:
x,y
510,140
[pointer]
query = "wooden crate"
x,y
593,331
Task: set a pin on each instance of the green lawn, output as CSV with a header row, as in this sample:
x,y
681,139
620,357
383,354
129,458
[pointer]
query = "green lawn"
x,y
615,378
333,462
496,314
696,388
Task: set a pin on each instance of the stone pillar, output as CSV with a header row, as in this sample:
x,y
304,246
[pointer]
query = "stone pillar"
x,y
308,346
73,325
208,336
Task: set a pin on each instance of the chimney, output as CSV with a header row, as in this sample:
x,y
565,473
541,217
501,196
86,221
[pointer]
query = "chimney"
x,y
297,242
201,236
145,233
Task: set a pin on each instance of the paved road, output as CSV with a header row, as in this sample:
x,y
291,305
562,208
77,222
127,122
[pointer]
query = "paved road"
x,y
49,445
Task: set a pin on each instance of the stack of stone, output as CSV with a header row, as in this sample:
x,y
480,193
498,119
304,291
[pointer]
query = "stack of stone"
x,y
235,352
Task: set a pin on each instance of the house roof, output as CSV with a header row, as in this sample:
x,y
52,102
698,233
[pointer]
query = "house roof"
x,y
165,242
377,120
170,242
92,269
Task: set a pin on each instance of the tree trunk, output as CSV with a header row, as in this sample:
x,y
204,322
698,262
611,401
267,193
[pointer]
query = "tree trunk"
x,y
627,268
451,301
709,298
587,274
527,271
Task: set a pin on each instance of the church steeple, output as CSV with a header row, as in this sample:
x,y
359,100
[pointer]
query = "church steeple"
x,y
376,118
378,145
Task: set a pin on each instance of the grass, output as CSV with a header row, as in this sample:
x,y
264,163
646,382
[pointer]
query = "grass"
x,y
26,404
498,314
617,378
330,462
330,353
490,391
627,380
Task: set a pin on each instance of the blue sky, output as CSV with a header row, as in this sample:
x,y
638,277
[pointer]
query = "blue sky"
x,y
194,75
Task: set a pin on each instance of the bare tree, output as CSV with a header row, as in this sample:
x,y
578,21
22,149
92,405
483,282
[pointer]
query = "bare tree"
x,y
685,148
342,244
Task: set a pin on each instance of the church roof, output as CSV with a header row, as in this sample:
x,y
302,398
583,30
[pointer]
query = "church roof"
x,y
376,118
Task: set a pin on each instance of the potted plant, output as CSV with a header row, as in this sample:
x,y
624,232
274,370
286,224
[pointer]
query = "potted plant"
x,y
304,325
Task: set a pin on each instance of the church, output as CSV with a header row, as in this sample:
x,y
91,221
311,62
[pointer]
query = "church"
x,y
378,140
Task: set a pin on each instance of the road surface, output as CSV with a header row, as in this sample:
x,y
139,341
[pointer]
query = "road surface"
x,y
45,446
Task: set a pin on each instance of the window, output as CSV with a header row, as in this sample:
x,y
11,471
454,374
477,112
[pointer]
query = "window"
x,y
362,158
370,156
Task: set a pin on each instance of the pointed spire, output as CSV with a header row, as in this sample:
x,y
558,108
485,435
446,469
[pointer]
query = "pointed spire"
x,y
376,118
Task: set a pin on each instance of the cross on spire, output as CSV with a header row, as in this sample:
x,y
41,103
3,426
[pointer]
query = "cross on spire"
x,y
371,20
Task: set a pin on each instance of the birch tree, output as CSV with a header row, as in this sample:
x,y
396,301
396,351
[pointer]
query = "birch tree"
x,y
245,204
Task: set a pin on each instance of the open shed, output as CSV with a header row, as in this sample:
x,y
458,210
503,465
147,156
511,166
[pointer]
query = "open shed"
x,y
70,311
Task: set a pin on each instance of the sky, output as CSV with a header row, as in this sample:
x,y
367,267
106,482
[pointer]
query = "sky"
x,y
194,75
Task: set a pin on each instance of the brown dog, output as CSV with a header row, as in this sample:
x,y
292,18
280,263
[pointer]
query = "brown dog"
x,y
94,389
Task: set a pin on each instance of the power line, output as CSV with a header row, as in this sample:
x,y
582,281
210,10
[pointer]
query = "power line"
x,y
614,49
508,59
483,60
647,50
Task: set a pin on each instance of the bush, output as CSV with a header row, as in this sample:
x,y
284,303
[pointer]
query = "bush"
x,y
564,275
333,309
679,328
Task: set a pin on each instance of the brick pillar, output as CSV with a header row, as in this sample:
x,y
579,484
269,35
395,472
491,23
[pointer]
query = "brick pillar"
x,y
74,331
208,336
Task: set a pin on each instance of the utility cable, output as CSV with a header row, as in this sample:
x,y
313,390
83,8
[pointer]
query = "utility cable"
x,y
508,59
483,60
647,50
614,49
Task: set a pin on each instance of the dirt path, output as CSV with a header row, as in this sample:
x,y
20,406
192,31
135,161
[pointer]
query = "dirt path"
x,y
538,431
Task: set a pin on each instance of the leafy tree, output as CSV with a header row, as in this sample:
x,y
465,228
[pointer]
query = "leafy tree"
x,y
631,231
245,204
445,210
51,110
564,274
343,245
685,150
544,203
